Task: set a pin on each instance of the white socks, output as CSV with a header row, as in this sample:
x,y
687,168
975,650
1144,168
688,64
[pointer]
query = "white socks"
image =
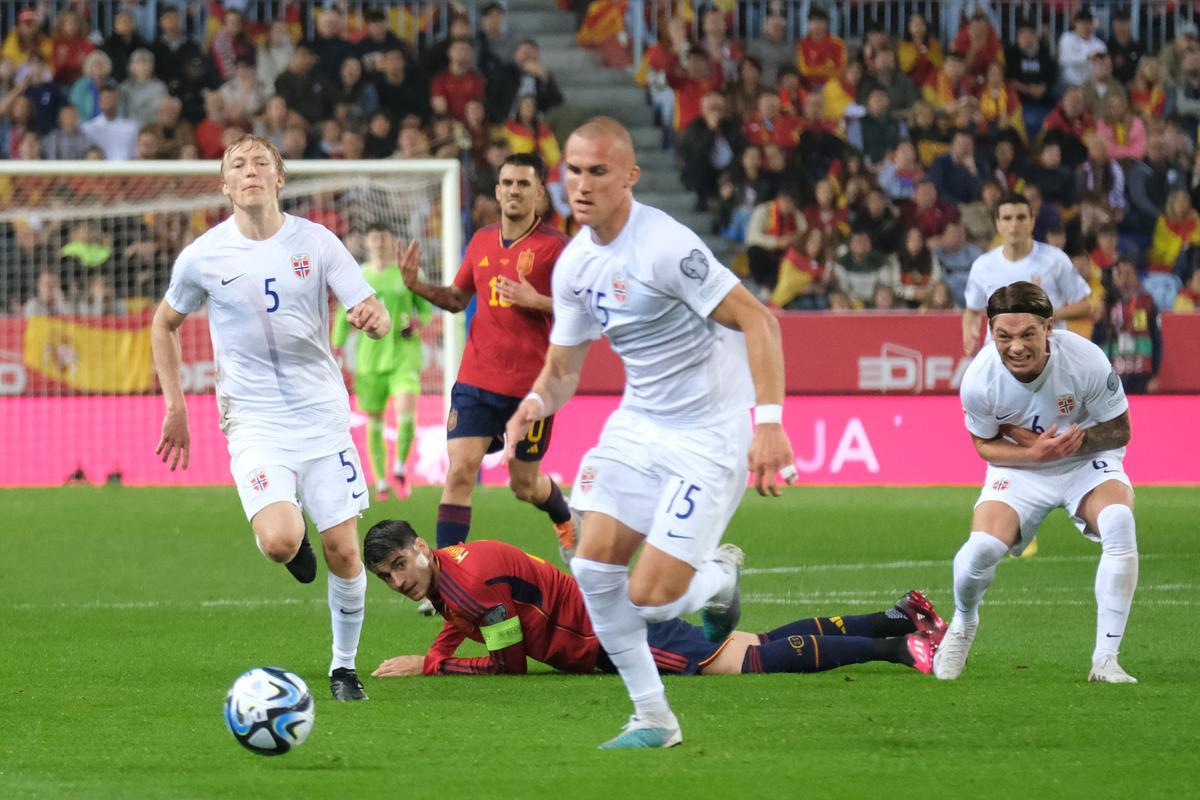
x,y
709,579
1116,578
347,598
621,631
974,568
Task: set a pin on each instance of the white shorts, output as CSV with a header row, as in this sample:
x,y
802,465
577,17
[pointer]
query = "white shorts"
x,y
332,488
677,487
1033,495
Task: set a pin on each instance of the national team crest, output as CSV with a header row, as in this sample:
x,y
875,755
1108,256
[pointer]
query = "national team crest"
x,y
1066,403
301,265
1000,485
586,478
258,480
525,262
620,289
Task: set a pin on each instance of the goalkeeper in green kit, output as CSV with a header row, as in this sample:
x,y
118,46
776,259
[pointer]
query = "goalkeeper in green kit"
x,y
391,366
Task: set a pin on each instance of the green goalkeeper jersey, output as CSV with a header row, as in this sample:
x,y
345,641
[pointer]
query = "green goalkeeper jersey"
x,y
401,348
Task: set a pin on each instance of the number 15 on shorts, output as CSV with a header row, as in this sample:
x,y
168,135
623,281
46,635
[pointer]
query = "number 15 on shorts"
x,y
678,507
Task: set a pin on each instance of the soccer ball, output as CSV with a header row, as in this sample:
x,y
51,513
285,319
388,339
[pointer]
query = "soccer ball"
x,y
269,711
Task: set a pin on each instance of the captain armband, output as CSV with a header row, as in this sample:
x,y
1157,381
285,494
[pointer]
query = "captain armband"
x,y
499,635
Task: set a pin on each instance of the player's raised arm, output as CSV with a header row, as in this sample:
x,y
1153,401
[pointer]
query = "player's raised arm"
x,y
553,388
770,451
450,298
164,344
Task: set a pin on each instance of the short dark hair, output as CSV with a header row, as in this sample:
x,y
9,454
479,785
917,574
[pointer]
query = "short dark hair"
x,y
385,537
816,12
527,160
380,225
1021,297
1013,199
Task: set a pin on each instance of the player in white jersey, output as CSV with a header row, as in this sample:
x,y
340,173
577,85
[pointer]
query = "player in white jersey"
x,y
1049,415
283,406
1020,258
671,463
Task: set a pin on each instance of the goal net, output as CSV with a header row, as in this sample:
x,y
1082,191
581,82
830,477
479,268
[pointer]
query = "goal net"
x,y
86,251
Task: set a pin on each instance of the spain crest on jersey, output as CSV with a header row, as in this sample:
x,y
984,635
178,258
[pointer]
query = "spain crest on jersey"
x,y
258,480
1066,403
301,265
525,262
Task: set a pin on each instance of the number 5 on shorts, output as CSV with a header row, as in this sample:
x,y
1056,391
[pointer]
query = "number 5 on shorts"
x,y
353,471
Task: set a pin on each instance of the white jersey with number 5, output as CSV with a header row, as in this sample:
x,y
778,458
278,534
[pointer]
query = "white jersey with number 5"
x,y
1078,386
1045,266
650,291
268,313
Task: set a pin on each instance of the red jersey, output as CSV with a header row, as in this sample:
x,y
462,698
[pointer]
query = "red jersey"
x,y
783,130
506,345
457,90
475,577
820,60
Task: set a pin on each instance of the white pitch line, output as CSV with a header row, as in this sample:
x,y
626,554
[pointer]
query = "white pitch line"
x,y
774,600
865,565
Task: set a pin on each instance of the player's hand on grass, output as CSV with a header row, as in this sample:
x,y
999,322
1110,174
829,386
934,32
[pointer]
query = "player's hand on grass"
x,y
771,452
370,317
529,412
409,259
519,293
1050,447
400,667
175,440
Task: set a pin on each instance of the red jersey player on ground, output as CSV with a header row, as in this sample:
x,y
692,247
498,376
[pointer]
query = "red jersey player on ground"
x,y
519,606
507,267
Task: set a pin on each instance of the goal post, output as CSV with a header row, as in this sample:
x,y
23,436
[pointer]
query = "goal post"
x,y
86,250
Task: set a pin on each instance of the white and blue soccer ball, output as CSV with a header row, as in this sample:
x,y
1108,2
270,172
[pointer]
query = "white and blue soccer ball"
x,y
269,711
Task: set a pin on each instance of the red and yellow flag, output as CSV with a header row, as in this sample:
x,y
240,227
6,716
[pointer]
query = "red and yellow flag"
x,y
84,355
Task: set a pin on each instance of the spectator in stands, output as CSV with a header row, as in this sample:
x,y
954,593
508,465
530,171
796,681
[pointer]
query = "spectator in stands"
x,y
1075,49
979,217
708,146
774,226
173,49
1130,332
100,298
862,268
723,52
875,36
940,298
49,299
356,91
1047,219
1184,99
1181,145
772,47
273,54
476,130
1101,85
878,218
804,275
22,255
827,214
141,92
1104,255
43,93
304,88
524,75
919,270
1125,51
85,92
930,133
487,174
1033,72
329,142
901,91
959,174
690,84
820,56
673,43
1067,126
230,44
978,44
840,94
899,173
1001,117
1052,177
527,132
30,146
955,257
884,298
1176,232
330,44
952,92
1148,93
920,55
400,91
115,135
174,132
741,188
791,91
436,58
70,45
210,129
1187,38
766,123
877,132
245,97
494,44
1187,301
1123,132
66,142
1103,176
352,145
1007,167
411,143
457,83
380,140
196,80
377,40
742,94
26,38
295,142
122,42
928,212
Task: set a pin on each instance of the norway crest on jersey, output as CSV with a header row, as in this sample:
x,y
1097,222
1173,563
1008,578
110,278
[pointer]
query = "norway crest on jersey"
x,y
1066,403
302,265
587,477
620,289
258,480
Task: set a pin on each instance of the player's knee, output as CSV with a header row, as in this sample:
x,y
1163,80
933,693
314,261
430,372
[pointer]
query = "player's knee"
x,y
461,477
277,544
651,601
1118,531
524,487
340,552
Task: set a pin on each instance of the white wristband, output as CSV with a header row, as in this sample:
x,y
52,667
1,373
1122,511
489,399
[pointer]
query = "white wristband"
x,y
541,401
770,414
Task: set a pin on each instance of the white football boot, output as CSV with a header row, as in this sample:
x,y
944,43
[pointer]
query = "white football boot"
x,y
951,656
1107,670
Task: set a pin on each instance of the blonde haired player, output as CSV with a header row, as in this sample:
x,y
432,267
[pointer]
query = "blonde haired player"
x,y
1049,415
671,463
283,406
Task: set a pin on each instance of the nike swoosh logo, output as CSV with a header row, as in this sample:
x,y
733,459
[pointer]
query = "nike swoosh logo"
x,y
577,292
1113,635
674,535
1105,472
1006,416
352,611
357,495
231,280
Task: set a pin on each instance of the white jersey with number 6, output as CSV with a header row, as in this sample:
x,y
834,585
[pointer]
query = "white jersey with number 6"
x,y
1045,266
1078,386
650,291
268,313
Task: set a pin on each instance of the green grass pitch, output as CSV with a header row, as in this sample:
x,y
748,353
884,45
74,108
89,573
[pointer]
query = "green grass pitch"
x,y
128,612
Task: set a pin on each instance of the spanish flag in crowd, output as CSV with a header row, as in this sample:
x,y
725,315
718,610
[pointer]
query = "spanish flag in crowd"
x,y
523,140
102,354
604,22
